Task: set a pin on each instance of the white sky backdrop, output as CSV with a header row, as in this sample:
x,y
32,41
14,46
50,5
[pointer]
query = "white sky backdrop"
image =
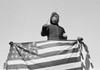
x,y
21,21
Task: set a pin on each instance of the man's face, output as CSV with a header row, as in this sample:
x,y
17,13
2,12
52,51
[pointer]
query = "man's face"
x,y
55,18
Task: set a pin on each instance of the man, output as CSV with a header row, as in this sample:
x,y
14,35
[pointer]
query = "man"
x,y
53,31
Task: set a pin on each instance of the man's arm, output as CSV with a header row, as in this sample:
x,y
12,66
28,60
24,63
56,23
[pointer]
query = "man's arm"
x,y
44,31
64,35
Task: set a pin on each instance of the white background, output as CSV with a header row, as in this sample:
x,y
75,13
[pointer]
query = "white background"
x,y
21,21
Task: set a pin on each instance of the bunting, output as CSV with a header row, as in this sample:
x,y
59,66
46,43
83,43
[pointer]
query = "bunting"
x,y
48,55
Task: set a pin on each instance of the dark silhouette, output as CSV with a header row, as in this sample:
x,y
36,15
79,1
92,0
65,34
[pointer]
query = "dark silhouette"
x,y
53,31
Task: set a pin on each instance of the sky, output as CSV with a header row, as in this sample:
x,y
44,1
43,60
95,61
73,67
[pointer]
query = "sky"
x,y
21,21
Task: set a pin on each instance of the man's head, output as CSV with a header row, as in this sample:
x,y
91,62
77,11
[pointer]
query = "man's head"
x,y
54,19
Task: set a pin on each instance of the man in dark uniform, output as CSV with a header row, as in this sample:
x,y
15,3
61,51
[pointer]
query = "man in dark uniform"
x,y
53,31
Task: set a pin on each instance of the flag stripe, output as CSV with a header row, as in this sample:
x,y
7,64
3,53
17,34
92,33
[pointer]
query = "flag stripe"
x,y
46,64
52,42
49,54
57,62
47,59
79,68
56,48
62,66
18,69
74,50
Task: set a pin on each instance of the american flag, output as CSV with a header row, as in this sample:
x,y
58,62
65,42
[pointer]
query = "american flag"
x,y
48,55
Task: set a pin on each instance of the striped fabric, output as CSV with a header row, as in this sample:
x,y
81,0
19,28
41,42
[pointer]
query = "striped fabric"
x,y
47,55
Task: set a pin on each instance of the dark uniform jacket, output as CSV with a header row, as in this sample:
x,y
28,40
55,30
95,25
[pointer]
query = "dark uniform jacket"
x,y
53,32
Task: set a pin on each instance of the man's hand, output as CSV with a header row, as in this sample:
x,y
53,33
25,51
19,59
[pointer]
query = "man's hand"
x,y
65,35
46,25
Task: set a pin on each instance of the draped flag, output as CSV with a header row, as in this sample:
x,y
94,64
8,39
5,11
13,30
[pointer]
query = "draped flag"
x,y
48,55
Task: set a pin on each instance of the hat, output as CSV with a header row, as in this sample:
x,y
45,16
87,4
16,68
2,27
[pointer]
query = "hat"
x,y
54,13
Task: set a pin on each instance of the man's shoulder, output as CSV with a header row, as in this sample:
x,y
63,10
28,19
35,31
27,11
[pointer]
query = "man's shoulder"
x,y
50,25
55,26
45,25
